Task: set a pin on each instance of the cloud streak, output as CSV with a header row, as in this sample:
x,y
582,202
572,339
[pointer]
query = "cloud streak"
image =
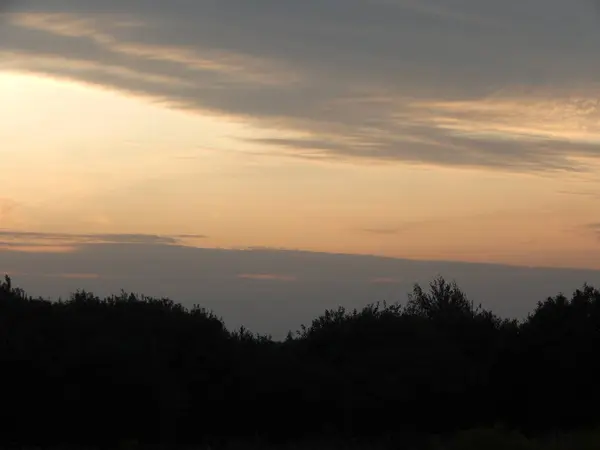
x,y
267,277
461,83
22,240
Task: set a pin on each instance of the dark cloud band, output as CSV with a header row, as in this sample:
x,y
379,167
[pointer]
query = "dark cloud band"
x,y
356,79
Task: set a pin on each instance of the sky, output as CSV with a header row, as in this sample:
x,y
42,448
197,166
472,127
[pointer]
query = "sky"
x,y
464,131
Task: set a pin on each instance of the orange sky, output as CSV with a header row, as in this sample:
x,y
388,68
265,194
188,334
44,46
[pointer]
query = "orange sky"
x,y
80,159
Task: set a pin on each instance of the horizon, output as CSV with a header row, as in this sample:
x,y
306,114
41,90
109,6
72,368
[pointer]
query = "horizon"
x,y
446,132
272,291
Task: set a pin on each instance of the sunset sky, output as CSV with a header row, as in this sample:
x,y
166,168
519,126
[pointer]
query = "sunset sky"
x,y
457,130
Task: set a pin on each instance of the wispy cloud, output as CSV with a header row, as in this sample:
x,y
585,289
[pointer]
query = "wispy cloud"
x,y
35,248
63,276
469,84
403,227
267,277
75,276
22,240
584,193
385,280
189,236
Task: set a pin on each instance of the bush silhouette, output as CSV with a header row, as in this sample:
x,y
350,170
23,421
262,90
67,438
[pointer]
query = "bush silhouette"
x,y
131,370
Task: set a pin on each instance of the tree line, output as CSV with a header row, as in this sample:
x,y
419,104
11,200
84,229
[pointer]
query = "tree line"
x,y
98,371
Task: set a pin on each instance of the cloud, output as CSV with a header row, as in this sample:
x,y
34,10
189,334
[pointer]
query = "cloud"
x,y
384,280
76,276
584,193
5,5
23,240
267,277
190,236
402,227
469,83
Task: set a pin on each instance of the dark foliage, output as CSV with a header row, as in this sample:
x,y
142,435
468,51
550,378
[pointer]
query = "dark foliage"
x,y
130,368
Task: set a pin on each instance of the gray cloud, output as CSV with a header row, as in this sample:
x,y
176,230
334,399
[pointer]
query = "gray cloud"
x,y
19,239
267,277
345,73
276,290
5,5
9,245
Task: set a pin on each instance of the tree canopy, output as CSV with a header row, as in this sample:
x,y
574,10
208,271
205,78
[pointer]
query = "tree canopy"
x,y
98,371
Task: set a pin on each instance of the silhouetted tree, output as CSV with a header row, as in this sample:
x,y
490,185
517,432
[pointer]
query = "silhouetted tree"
x,y
130,368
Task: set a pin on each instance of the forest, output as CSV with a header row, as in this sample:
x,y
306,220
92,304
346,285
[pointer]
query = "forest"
x,y
435,371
